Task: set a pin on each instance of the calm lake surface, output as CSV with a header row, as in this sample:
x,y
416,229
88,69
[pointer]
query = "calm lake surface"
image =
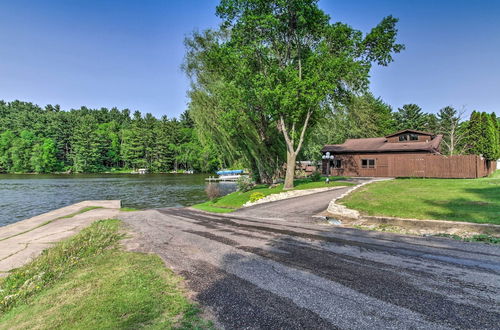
x,y
24,196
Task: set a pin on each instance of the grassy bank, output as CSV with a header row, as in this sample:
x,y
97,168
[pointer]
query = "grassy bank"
x,y
235,200
471,200
87,282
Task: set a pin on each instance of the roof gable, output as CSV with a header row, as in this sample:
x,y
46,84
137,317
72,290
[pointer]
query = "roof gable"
x,y
381,144
410,131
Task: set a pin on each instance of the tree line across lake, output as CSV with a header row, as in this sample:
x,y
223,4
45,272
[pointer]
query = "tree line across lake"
x,y
46,140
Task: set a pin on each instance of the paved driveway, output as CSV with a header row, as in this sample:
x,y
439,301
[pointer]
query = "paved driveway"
x,y
298,209
276,274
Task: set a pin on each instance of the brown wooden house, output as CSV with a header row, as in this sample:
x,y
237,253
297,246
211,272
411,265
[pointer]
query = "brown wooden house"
x,y
407,153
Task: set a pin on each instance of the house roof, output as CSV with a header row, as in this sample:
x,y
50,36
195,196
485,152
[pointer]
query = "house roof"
x,y
380,144
410,131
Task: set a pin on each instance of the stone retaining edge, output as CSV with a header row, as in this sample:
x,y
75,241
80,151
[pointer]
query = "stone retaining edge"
x,y
443,226
38,220
342,210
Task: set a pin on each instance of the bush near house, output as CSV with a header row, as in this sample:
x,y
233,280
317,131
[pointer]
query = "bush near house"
x,y
256,196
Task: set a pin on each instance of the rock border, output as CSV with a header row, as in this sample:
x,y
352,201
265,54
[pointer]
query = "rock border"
x,y
290,194
344,212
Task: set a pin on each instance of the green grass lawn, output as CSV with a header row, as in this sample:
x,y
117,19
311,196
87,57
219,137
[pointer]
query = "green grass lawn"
x,y
471,200
88,282
235,200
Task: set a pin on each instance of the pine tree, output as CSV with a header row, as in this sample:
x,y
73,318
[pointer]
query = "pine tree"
x,y
109,138
496,126
163,158
410,116
86,146
149,138
489,137
482,136
132,148
431,123
473,142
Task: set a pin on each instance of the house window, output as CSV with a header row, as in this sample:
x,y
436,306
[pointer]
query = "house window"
x,y
368,163
408,137
336,163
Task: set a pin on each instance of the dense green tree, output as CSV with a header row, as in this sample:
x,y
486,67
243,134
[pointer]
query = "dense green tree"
x,y
6,141
431,123
108,135
163,153
482,136
410,116
280,62
44,156
474,139
20,152
490,137
132,148
86,146
496,127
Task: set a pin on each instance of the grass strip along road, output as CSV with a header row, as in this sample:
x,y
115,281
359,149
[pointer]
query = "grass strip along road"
x,y
88,282
237,199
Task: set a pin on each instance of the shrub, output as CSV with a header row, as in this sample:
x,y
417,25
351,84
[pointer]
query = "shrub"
x,y
244,183
315,176
256,196
213,191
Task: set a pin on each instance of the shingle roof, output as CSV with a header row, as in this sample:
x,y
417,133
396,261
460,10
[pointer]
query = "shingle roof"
x,y
380,144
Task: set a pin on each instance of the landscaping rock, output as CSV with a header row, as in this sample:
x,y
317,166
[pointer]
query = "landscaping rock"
x,y
289,194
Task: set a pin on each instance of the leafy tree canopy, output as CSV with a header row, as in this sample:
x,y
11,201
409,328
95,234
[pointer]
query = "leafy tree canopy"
x,y
282,62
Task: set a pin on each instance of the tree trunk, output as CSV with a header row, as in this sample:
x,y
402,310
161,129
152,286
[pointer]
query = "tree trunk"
x,y
290,170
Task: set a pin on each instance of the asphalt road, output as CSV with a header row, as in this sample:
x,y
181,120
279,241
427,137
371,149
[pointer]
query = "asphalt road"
x,y
267,273
298,209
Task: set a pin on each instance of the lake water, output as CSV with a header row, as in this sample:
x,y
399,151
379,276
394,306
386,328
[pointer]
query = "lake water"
x,y
24,196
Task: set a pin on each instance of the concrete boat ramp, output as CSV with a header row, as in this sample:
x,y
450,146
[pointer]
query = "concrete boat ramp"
x,y
22,241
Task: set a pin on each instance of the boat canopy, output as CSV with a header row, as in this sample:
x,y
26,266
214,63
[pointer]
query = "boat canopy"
x,y
229,172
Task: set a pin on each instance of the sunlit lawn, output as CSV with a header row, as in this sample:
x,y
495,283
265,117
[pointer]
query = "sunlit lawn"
x,y
236,199
472,200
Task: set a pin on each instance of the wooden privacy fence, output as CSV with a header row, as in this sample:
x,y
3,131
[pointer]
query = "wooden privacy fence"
x,y
438,166
413,165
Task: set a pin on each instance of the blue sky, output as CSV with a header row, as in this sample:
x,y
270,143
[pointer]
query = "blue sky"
x,y
128,53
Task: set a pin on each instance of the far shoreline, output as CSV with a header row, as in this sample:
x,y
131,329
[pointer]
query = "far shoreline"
x,y
98,173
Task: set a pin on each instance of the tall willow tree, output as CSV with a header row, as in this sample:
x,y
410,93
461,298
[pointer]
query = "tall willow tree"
x,y
276,65
228,116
